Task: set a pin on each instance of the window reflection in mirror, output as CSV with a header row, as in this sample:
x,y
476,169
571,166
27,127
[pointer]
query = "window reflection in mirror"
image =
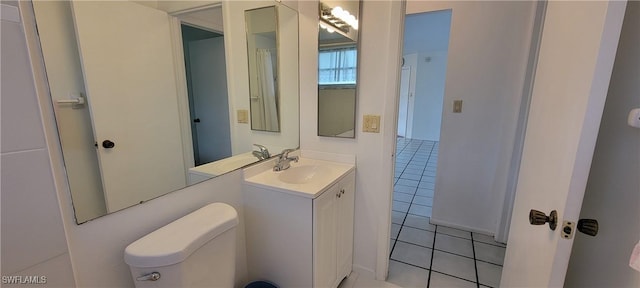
x,y
337,69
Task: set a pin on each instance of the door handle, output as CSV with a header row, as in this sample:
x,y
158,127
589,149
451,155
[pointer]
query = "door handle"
x,y
108,144
588,226
539,218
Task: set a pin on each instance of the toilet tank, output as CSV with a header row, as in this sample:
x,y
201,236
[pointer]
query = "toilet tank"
x,y
197,250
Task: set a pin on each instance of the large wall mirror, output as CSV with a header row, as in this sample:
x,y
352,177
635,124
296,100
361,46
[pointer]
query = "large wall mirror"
x,y
337,67
144,99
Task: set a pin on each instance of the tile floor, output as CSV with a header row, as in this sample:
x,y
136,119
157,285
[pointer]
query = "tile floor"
x,y
426,255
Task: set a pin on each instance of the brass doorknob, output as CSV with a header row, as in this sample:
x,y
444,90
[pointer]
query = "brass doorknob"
x,y
539,218
588,226
108,144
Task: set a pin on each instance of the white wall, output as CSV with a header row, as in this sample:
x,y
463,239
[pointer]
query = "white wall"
x,y
613,189
487,61
426,31
381,35
33,236
427,35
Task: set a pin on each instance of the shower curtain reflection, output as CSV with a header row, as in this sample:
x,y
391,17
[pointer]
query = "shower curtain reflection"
x,y
266,85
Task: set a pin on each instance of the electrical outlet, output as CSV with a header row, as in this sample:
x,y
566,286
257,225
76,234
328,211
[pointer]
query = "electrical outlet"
x,y
243,116
371,123
457,106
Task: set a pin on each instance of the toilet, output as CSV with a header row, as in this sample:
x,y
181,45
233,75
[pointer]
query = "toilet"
x,y
197,250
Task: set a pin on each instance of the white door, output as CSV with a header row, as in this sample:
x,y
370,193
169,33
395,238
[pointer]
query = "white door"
x,y
575,62
403,109
127,62
211,103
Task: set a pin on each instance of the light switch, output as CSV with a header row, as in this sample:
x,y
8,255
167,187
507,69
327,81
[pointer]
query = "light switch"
x,y
457,106
634,118
243,116
371,123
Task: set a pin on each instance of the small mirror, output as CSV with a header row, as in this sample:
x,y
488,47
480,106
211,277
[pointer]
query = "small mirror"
x,y
337,68
262,50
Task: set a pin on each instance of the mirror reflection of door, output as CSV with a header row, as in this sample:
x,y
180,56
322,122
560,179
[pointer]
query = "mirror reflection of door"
x,y
134,108
207,90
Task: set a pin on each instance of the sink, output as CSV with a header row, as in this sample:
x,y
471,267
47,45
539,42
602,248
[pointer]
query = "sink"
x,y
303,174
308,177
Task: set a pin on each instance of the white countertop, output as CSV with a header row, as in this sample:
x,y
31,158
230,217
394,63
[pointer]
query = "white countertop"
x,y
263,176
224,165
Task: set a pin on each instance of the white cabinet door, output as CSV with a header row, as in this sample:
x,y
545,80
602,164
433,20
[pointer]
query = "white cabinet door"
x,y
345,206
129,74
324,238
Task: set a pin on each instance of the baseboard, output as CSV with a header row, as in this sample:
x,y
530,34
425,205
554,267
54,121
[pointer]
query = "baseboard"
x,y
364,272
461,227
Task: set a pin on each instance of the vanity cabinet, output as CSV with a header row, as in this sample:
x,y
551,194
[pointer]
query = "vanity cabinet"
x,y
298,241
333,231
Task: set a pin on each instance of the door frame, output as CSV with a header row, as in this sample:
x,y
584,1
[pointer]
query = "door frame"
x,y
508,205
407,132
504,222
175,22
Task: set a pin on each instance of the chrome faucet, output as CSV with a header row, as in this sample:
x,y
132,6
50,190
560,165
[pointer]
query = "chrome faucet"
x,y
284,161
262,154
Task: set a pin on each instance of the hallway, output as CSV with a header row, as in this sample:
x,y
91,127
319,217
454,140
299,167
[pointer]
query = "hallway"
x,y
427,255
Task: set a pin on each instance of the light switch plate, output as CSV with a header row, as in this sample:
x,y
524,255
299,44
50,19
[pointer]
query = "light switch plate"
x,y
457,106
371,123
243,116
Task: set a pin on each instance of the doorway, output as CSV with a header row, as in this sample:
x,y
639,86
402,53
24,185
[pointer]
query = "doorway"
x,y
471,149
422,253
205,69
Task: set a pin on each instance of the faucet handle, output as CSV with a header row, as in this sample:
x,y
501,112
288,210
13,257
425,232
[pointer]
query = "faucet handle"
x,y
285,153
263,150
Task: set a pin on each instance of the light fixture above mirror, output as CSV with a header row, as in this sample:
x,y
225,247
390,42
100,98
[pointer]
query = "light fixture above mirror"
x,y
338,18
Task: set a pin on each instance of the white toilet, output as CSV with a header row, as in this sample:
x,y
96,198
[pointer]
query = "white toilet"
x,y
197,250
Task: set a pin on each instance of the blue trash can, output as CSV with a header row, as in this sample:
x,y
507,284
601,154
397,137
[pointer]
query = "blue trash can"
x,y
261,284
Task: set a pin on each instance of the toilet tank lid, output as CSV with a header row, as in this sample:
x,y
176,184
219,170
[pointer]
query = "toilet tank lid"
x,y
174,242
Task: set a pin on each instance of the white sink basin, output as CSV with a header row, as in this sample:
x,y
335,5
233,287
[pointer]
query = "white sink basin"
x,y
307,177
303,174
